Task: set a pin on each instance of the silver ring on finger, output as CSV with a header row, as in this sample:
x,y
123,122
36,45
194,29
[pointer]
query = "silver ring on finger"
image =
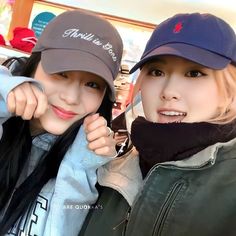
x,y
110,132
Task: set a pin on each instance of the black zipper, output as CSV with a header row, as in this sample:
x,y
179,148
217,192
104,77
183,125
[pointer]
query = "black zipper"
x,y
166,208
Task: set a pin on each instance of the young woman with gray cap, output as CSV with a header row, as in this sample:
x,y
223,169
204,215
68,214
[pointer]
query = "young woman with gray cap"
x,y
55,127
186,141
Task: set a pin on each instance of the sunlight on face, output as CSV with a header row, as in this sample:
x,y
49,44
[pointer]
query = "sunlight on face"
x,y
71,96
177,90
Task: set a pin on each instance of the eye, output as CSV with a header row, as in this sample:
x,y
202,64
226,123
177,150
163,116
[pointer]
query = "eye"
x,y
92,84
155,72
195,73
63,74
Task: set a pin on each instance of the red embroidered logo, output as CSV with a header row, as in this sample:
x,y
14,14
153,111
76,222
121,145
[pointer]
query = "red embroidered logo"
x,y
178,27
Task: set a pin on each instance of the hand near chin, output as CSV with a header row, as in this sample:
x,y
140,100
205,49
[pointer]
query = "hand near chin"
x,y
27,101
99,136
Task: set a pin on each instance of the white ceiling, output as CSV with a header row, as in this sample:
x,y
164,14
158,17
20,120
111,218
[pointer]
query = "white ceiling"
x,y
155,11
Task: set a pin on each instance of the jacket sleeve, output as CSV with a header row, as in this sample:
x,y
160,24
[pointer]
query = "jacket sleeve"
x,y
7,83
75,191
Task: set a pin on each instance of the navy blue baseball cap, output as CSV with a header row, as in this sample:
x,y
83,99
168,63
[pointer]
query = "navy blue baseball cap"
x,y
201,38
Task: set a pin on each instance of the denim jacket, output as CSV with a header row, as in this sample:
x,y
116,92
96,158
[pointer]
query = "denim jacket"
x,y
64,202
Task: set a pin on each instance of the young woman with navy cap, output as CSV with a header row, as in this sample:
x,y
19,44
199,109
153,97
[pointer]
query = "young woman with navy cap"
x,y
54,128
185,143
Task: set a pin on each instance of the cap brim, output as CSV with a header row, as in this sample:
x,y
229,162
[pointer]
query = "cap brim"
x,y
59,60
192,53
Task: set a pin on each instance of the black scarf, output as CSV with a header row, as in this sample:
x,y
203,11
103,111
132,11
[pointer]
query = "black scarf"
x,y
158,143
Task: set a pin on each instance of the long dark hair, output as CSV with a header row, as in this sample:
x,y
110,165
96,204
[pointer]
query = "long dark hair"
x,y
15,147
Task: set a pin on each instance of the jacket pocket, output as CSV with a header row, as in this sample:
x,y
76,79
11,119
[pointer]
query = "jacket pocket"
x,y
166,206
123,222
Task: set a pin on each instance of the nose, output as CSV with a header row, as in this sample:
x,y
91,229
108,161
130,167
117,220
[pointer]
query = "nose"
x,y
170,89
70,94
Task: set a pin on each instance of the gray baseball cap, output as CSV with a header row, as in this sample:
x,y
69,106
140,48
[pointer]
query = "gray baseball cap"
x,y
81,40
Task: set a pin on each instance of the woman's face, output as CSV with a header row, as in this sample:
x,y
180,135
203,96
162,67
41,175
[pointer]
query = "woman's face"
x,y
177,90
71,96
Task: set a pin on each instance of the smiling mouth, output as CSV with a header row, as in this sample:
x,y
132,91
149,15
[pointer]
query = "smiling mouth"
x,y
63,114
171,116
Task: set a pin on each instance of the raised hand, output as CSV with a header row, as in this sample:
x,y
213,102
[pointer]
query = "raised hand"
x,y
27,101
99,136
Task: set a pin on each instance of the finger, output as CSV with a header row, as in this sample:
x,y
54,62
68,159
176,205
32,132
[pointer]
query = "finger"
x,y
31,103
106,151
42,102
102,142
103,146
101,131
89,119
96,123
20,101
11,103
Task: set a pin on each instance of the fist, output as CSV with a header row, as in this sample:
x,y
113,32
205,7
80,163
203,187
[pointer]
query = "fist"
x,y
27,101
99,136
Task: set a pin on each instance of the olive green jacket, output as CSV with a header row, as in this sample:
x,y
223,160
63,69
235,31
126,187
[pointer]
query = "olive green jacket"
x,y
192,197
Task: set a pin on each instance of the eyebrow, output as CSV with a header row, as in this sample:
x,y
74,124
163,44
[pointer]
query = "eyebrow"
x,y
165,62
155,61
159,60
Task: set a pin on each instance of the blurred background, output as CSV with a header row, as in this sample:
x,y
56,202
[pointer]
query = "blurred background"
x,y
155,11
134,19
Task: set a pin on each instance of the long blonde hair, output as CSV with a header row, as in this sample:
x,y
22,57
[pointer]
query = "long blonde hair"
x,y
226,83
